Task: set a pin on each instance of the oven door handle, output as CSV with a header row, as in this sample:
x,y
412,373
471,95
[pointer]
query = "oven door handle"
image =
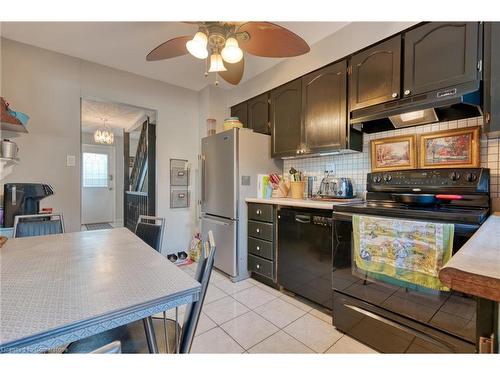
x,y
403,327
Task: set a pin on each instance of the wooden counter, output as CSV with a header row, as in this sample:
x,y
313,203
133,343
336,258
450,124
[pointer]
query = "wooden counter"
x,y
306,203
475,268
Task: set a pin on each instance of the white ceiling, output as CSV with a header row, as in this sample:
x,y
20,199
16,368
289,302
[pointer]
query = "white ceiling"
x,y
124,45
118,117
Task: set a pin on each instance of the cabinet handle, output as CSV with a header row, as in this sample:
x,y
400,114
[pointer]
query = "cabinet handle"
x,y
298,151
257,230
407,92
258,248
394,94
258,266
258,212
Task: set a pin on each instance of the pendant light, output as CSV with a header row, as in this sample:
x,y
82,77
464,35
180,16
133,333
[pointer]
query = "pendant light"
x,y
198,45
231,51
104,135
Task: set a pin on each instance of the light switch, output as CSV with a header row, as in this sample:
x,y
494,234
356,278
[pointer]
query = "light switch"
x,y
70,160
245,180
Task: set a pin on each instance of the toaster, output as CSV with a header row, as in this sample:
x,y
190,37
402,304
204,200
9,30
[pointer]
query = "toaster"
x,y
336,187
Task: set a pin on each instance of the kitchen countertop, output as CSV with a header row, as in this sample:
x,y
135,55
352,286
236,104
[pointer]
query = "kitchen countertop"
x,y
475,268
307,203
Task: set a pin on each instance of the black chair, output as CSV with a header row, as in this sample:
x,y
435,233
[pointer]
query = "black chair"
x,y
150,230
172,338
38,225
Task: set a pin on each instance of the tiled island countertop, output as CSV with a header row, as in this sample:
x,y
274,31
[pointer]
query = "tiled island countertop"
x,y
475,268
306,203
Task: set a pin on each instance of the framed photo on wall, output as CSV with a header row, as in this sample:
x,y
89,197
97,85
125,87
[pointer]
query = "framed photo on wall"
x,y
393,153
450,148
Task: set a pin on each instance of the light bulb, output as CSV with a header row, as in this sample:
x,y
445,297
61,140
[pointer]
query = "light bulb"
x,y
231,51
198,45
216,64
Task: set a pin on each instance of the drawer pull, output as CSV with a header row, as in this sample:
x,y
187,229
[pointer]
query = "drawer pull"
x,y
257,230
258,247
258,212
258,266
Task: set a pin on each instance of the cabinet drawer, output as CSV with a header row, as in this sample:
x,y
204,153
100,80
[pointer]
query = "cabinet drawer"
x,y
260,211
260,248
261,266
263,231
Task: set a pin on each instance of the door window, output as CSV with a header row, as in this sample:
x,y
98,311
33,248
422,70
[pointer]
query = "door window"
x,y
95,170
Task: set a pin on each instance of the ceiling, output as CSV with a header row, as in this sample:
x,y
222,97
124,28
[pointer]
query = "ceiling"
x,y
118,117
124,45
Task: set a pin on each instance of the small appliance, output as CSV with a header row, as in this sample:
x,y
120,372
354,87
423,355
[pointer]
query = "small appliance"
x,y
336,187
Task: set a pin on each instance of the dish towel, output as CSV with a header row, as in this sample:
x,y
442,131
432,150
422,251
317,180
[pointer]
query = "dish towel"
x,y
404,252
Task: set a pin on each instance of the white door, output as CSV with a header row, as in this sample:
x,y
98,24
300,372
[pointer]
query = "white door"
x,y
98,184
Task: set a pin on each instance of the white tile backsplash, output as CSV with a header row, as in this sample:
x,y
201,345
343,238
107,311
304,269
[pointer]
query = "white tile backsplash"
x,y
357,165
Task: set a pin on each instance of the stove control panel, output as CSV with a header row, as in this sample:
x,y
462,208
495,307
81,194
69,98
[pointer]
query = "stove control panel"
x,y
472,179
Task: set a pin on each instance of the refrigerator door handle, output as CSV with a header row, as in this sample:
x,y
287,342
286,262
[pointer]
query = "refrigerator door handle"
x,y
224,222
202,167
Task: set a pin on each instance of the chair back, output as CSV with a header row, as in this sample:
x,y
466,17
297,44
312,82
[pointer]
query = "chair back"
x,y
38,225
150,230
193,311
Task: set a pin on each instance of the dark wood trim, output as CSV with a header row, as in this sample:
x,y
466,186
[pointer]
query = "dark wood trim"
x,y
126,173
151,169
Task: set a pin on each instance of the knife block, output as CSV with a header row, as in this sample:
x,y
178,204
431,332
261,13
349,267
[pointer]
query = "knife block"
x,y
281,191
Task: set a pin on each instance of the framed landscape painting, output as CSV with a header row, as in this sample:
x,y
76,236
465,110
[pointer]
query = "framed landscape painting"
x,y
450,148
388,154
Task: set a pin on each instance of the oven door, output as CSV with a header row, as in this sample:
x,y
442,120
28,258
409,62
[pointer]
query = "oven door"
x,y
396,319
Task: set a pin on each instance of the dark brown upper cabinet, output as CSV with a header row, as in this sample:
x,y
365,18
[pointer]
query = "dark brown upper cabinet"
x,y
324,108
241,111
375,74
492,79
286,103
440,54
258,114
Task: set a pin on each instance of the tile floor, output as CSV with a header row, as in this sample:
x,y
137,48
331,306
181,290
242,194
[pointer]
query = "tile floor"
x,y
250,317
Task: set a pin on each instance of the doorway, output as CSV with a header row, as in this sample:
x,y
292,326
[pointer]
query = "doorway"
x,y
115,139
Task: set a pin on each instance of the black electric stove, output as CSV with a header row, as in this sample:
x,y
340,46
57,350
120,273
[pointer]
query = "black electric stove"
x,y
390,318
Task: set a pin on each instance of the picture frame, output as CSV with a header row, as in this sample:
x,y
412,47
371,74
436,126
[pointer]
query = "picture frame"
x,y
393,153
450,148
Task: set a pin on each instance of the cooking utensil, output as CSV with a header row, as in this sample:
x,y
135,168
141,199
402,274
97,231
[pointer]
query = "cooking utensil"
x,y
424,199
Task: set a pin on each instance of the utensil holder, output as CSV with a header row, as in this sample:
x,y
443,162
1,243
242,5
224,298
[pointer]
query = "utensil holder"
x,y
297,189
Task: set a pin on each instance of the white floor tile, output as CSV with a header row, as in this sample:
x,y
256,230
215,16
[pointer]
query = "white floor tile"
x,y
348,345
279,312
322,315
297,302
253,297
280,343
274,292
229,287
215,341
314,333
214,294
224,309
204,324
249,329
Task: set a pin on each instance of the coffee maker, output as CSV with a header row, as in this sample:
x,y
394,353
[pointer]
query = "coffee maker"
x,y
23,199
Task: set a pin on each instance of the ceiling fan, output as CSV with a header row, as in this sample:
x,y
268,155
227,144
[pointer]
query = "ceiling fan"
x,y
222,45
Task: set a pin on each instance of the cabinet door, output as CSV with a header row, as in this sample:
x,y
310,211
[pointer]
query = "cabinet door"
x,y
440,54
286,103
375,74
324,108
492,78
240,111
258,114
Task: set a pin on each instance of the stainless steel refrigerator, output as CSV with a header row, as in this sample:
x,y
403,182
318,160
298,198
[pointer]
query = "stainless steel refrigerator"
x,y
230,162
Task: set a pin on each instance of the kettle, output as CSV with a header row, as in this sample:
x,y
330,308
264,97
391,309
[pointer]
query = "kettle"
x,y
9,149
336,187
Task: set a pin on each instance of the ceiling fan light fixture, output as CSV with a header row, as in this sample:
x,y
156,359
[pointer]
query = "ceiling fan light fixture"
x,y
231,52
198,45
216,63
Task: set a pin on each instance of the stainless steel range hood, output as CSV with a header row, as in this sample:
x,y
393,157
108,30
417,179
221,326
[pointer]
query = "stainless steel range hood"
x,y
448,104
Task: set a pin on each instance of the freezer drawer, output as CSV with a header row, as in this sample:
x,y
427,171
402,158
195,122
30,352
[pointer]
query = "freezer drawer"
x,y
225,232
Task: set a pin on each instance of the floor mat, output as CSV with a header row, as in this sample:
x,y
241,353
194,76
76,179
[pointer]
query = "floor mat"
x,y
98,226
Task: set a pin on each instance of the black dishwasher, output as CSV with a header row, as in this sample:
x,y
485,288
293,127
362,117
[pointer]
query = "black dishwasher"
x,y
305,253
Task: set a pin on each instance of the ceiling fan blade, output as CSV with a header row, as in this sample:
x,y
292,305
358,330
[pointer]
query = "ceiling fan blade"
x,y
270,40
171,48
234,72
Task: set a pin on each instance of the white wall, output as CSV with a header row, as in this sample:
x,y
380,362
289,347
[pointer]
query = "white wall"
x,y
345,41
48,86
